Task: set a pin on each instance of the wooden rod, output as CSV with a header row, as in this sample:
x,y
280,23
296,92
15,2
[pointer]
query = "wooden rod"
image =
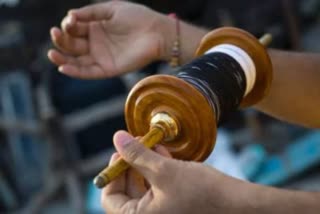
x,y
266,39
153,137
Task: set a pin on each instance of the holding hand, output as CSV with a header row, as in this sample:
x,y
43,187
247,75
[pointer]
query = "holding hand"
x,y
171,186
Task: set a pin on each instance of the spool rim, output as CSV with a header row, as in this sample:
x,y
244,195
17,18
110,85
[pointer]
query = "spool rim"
x,y
164,93
257,52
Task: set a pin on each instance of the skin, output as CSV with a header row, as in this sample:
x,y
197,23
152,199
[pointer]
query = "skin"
x,y
295,89
109,39
174,187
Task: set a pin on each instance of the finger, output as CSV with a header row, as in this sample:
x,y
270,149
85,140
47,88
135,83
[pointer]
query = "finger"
x,y
150,164
74,27
72,66
114,203
59,58
67,21
162,151
135,186
83,72
78,29
72,45
117,185
113,196
56,57
94,12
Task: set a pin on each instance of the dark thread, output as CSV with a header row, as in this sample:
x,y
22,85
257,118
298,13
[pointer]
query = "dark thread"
x,y
220,78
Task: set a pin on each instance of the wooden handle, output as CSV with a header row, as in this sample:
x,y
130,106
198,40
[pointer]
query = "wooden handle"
x,y
266,39
153,137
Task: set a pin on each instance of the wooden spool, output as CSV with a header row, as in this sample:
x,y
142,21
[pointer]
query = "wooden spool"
x,y
167,109
186,105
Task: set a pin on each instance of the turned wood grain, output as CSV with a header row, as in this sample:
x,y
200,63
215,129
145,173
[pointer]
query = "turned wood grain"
x,y
185,104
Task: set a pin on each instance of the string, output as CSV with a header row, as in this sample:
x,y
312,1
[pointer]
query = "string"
x,y
220,78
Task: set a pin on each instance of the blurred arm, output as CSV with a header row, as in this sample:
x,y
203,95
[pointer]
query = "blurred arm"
x,y
273,200
295,90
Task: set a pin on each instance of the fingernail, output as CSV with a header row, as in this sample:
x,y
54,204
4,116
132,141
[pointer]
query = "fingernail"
x,y
60,68
69,20
114,157
122,138
52,32
72,11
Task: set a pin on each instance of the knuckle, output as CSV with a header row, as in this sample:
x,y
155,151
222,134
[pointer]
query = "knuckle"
x,y
134,152
166,171
162,165
163,172
130,207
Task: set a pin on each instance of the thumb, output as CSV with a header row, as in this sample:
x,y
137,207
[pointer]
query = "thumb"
x,y
150,164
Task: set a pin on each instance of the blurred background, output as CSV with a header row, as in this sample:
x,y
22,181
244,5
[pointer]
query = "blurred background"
x,y
56,132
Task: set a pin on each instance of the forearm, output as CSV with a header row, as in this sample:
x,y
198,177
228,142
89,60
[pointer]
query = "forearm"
x,y
295,90
271,200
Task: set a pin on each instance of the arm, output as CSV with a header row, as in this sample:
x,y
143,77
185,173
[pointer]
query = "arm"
x,y
271,200
295,90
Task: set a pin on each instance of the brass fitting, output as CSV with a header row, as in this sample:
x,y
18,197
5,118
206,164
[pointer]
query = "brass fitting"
x,y
169,126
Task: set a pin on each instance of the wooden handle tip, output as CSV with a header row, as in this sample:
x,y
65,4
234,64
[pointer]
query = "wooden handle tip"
x,y
100,182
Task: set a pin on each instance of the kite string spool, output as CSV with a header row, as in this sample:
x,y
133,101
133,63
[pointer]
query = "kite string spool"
x,y
224,75
242,58
188,105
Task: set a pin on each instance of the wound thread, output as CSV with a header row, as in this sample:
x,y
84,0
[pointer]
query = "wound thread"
x,y
243,59
220,78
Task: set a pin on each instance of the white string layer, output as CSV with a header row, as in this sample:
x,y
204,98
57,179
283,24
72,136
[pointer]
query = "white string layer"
x,y
243,59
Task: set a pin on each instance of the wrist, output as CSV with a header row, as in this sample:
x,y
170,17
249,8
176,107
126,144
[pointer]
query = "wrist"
x,y
189,39
167,30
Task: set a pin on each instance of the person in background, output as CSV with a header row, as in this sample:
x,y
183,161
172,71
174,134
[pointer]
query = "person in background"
x,y
109,39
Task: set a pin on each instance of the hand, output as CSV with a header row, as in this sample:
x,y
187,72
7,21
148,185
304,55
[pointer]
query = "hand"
x,y
171,186
109,39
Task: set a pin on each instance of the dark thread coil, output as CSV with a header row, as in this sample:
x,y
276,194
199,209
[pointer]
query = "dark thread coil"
x,y
220,78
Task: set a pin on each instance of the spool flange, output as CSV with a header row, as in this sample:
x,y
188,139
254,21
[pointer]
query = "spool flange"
x,y
185,104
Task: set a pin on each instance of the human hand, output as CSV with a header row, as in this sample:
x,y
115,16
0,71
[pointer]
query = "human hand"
x,y
108,39
171,186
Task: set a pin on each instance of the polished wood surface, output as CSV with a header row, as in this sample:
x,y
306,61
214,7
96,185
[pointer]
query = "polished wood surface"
x,y
189,108
252,46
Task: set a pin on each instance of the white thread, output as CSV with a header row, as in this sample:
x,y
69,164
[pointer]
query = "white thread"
x,y
243,59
